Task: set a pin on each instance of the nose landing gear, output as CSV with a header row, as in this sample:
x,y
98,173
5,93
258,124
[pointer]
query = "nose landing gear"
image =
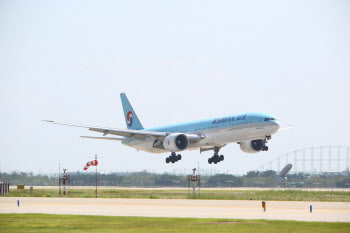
x,y
173,158
266,148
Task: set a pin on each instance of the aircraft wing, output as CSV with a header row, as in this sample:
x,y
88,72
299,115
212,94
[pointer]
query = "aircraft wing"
x,y
106,138
129,134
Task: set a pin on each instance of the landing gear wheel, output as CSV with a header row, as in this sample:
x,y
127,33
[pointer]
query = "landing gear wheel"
x,y
266,148
173,158
216,158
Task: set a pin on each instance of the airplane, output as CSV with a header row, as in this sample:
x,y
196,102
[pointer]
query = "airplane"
x,y
283,174
250,130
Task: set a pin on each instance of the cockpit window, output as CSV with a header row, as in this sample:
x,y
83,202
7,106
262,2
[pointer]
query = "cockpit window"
x,y
269,119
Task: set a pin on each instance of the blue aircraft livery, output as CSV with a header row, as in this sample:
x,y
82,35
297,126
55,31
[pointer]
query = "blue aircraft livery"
x,y
233,118
250,130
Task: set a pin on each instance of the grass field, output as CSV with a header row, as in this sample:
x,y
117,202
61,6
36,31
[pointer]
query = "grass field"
x,y
275,195
78,223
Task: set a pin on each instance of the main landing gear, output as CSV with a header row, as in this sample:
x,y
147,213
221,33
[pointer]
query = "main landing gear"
x,y
173,158
216,157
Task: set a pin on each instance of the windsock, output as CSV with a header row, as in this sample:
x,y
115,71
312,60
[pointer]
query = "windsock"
x,y
91,163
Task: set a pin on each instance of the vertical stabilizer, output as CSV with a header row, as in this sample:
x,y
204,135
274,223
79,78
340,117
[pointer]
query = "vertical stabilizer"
x,y
131,119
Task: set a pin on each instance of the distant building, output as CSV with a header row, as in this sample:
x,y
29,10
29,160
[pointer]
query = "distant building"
x,y
343,173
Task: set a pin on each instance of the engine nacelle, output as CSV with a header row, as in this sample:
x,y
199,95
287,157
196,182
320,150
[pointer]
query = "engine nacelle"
x,y
253,146
175,142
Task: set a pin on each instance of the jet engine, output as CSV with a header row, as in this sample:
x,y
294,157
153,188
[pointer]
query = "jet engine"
x,y
175,142
253,146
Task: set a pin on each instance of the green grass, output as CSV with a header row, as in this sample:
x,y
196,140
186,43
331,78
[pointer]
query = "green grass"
x,y
272,195
78,223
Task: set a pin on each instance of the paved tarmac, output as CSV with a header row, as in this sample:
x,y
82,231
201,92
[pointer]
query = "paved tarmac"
x,y
281,210
185,188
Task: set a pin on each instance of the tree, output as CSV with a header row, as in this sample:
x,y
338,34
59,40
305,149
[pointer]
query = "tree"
x,y
253,174
225,180
345,183
165,180
268,173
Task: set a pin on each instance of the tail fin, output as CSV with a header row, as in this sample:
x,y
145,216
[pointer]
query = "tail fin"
x,y
131,119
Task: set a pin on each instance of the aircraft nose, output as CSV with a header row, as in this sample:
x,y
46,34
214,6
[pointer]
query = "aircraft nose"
x,y
275,126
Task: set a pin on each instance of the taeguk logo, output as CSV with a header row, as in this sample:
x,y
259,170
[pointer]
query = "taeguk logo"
x,y
129,118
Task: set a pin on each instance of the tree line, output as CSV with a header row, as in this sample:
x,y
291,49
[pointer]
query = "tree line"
x,y
267,178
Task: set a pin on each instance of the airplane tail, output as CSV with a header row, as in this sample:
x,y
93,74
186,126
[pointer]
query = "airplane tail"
x,y
131,119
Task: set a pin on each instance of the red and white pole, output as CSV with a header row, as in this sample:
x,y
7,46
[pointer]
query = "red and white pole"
x,y
96,175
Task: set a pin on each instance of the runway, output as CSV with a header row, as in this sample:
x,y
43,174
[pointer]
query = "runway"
x,y
278,210
186,188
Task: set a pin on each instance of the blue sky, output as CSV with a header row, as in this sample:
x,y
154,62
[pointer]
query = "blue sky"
x,y
176,61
